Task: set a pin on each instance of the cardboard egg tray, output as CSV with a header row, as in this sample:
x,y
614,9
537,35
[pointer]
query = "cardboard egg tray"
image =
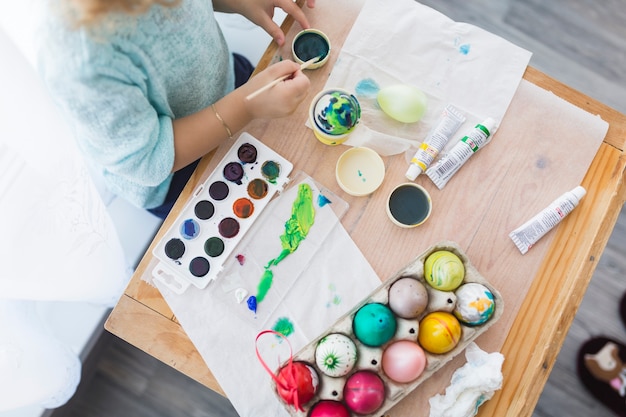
x,y
370,358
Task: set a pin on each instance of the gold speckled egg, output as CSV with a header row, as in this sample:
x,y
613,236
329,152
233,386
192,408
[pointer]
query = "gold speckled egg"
x,y
444,270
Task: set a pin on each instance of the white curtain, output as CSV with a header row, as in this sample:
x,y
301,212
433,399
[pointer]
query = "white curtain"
x,y
57,241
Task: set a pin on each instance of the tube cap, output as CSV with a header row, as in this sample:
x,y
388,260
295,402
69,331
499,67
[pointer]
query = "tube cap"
x,y
579,192
413,172
490,124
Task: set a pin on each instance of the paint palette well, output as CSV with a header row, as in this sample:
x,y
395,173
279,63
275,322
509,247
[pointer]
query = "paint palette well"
x,y
398,337
220,213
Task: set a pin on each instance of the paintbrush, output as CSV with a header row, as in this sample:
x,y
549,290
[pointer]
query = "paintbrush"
x,y
304,65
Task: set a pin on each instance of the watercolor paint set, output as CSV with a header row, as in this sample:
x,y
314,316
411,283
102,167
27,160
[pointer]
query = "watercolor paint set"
x,y
395,339
219,214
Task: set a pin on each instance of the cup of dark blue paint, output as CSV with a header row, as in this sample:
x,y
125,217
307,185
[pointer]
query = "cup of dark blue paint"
x,y
409,205
308,44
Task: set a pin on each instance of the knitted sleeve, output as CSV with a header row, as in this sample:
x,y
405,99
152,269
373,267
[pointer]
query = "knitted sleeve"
x,y
115,123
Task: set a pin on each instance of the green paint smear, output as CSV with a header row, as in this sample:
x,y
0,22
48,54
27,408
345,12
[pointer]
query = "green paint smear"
x,y
296,230
284,326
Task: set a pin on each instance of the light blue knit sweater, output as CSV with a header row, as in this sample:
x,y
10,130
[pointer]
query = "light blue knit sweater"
x,y
122,85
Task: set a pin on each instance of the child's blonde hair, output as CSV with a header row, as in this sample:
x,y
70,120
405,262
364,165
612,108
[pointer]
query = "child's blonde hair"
x,y
89,12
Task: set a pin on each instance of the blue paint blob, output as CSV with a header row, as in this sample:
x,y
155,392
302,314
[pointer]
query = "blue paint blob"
x,y
464,49
541,163
190,229
322,200
252,303
367,88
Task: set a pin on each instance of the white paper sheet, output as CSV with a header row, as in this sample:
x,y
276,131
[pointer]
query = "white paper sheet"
x,y
316,284
405,42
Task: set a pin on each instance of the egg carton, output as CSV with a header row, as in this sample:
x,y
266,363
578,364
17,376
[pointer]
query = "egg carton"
x,y
370,358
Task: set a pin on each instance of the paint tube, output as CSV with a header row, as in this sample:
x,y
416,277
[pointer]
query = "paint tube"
x,y
441,172
449,122
530,232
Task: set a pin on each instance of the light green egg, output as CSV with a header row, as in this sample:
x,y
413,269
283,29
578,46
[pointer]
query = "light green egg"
x,y
443,270
402,102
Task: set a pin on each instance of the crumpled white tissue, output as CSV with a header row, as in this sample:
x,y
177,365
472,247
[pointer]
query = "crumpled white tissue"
x,y
471,385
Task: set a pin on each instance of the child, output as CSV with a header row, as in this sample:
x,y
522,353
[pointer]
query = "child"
x,y
149,86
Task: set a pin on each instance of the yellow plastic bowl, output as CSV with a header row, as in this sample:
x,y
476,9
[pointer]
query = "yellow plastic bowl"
x,y
308,44
360,171
409,205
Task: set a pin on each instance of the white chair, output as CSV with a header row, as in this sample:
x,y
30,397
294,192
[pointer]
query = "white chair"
x,y
59,246
68,246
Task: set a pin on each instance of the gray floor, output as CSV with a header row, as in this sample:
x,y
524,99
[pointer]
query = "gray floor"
x,y
581,43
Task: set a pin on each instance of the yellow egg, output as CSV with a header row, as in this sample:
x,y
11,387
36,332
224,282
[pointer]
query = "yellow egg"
x,y
443,270
402,102
439,332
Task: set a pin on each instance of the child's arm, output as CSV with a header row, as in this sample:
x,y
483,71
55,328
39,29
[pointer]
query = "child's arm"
x,y
201,132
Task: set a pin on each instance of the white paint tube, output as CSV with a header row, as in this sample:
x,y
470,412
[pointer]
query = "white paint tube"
x,y
449,122
530,232
441,172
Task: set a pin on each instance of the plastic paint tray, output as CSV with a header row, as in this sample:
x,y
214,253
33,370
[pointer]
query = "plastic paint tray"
x,y
370,358
221,211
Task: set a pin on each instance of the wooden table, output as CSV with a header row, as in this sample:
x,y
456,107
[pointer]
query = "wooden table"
x,y
564,270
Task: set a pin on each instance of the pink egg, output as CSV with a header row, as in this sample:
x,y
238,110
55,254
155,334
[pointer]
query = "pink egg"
x,y
329,408
364,392
403,361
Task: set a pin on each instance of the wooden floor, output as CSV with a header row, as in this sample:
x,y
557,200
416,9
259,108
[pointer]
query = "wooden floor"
x,y
579,42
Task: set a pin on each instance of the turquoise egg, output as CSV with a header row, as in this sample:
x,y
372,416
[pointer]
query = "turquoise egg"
x,y
374,324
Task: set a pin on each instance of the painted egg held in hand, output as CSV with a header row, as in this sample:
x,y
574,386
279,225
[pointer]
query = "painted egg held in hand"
x,y
402,102
439,332
444,270
297,383
335,355
374,324
475,304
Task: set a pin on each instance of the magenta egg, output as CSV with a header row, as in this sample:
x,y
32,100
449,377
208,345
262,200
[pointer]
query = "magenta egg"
x,y
364,392
329,408
403,361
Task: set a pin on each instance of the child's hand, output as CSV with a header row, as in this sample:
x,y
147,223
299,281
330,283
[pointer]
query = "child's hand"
x,y
261,12
281,99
